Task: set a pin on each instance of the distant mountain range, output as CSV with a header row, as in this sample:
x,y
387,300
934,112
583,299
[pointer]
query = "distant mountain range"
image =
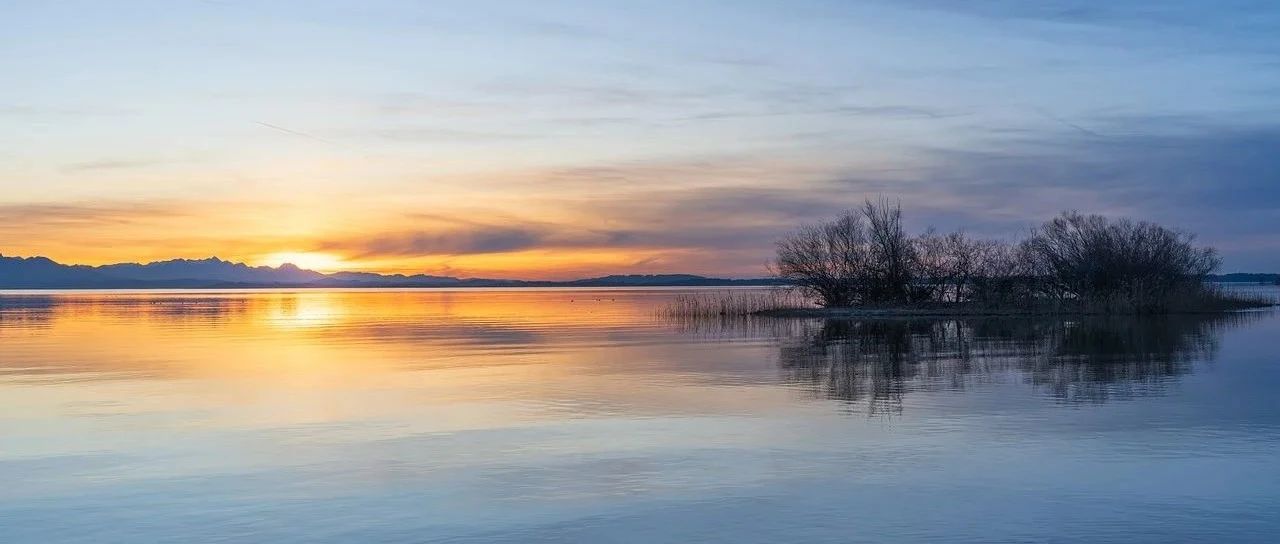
x,y
215,273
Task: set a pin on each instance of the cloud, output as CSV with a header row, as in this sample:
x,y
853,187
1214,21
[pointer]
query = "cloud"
x,y
784,110
720,223
1216,168
1182,171
1190,25
447,135
33,215
557,29
1217,180
109,164
733,207
458,241
1174,13
38,112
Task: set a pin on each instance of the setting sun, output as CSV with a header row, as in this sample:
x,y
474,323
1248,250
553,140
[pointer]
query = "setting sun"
x,y
320,262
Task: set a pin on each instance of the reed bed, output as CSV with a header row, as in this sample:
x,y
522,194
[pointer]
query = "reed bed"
x,y
1265,294
734,303
1204,298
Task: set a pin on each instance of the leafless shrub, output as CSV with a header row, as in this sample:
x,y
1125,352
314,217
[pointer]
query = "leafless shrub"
x,y
1085,257
1072,263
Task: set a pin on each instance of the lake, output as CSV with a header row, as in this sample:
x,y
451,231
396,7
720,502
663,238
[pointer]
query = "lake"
x,y
581,416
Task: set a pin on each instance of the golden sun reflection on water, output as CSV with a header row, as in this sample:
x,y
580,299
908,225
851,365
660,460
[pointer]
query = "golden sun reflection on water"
x,y
307,310
456,359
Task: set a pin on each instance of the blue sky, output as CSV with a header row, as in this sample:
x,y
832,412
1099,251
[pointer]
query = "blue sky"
x,y
554,139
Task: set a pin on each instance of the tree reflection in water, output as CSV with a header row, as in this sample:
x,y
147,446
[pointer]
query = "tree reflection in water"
x,y
1078,360
877,362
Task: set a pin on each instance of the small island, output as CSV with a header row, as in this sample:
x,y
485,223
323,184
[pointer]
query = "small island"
x,y
864,264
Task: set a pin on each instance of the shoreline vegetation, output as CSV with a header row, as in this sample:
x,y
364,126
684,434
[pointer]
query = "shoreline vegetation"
x,y
863,264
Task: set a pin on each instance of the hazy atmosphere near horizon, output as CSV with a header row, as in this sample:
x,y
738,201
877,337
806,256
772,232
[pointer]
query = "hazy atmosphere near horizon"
x,y
639,272
553,140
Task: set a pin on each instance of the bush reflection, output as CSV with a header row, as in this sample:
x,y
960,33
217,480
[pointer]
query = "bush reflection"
x,y
878,363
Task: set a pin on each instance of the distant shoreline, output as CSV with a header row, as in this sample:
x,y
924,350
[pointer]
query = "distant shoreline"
x,y
516,284
367,287
461,285
42,273
214,273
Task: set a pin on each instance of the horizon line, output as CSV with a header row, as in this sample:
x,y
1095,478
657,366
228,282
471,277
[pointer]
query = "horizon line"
x,y
287,265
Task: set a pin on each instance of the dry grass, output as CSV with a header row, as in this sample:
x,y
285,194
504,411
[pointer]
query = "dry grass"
x,y
734,303
1185,299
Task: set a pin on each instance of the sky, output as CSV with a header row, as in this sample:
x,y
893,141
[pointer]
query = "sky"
x,y
558,139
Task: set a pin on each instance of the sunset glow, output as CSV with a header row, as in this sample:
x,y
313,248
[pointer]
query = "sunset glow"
x,y
563,139
320,262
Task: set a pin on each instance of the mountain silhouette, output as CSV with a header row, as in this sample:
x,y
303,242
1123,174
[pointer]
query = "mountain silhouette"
x,y
44,273
37,272
211,269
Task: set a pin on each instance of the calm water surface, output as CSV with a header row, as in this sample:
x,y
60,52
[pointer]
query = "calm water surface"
x,y
579,416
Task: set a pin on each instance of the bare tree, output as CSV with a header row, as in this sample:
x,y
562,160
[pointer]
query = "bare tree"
x,y
826,261
861,257
934,271
891,251
1002,275
965,256
946,265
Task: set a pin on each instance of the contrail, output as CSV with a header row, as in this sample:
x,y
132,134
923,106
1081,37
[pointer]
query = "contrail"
x,y
294,132
1069,123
